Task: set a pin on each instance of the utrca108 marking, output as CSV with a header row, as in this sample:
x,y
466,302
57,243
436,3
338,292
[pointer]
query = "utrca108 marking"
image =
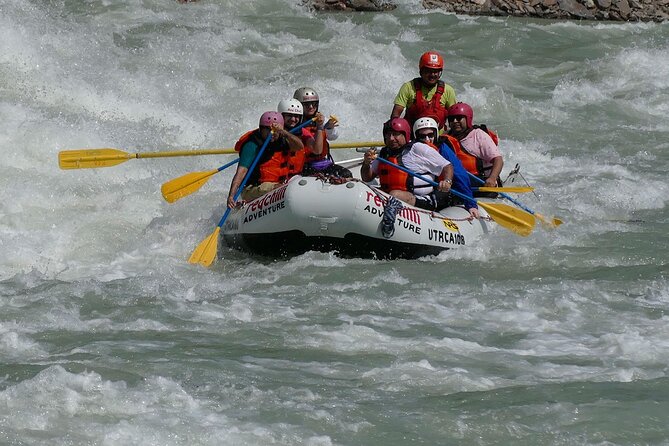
x,y
445,237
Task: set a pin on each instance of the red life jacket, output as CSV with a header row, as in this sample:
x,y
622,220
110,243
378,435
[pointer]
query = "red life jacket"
x,y
274,164
422,108
392,178
470,162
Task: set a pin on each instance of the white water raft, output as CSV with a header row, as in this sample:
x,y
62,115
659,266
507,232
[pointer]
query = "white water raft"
x,y
309,213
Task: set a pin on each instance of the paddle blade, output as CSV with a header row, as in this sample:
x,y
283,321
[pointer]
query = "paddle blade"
x,y
185,185
514,219
507,189
205,253
91,158
550,223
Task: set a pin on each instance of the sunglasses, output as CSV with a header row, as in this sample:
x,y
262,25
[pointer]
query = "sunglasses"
x,y
310,104
428,135
455,118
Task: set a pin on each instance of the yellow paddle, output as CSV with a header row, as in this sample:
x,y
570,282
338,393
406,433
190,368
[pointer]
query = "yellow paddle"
x,y
94,158
189,183
513,219
550,223
205,252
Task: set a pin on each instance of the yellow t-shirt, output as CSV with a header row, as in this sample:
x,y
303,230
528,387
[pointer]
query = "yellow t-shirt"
x,y
407,95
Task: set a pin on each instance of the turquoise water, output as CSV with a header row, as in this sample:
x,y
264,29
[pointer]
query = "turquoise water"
x,y
109,337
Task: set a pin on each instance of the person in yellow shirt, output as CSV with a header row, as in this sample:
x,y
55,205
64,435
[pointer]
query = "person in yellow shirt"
x,y
426,95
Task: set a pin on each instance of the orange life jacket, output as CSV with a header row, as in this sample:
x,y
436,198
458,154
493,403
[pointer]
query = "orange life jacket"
x,y
472,163
392,178
243,139
325,154
274,165
422,108
297,159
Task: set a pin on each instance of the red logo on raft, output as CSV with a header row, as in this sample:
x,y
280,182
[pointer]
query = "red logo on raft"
x,y
267,200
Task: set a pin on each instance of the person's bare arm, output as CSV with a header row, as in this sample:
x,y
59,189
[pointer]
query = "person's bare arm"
x,y
234,186
497,164
397,111
366,170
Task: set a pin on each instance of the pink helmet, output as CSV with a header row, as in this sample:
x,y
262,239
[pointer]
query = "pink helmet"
x,y
270,117
462,109
398,125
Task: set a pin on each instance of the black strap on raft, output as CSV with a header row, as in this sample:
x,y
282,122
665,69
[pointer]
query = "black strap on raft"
x,y
516,171
392,207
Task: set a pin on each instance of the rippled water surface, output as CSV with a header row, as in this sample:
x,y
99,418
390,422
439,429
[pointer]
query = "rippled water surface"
x,y
109,337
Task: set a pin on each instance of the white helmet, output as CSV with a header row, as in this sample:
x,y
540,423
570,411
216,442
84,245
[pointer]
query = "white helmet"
x,y
292,106
306,94
425,123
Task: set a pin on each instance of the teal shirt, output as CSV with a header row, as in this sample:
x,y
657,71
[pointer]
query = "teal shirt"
x,y
248,154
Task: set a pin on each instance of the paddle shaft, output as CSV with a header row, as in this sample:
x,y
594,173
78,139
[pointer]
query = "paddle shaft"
x,y
225,166
354,145
182,153
509,189
511,199
128,156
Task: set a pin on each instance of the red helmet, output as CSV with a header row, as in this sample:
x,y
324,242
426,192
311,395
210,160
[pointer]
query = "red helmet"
x,y
431,59
462,109
398,125
270,117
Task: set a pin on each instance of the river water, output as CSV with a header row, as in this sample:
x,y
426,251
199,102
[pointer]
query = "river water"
x,y
109,337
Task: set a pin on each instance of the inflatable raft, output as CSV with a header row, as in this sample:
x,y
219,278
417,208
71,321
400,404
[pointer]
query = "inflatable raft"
x,y
312,213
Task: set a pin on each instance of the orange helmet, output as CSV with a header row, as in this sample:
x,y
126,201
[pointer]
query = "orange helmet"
x,y
431,59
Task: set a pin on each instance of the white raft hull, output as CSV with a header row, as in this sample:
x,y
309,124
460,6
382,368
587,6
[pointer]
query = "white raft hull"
x,y
310,214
